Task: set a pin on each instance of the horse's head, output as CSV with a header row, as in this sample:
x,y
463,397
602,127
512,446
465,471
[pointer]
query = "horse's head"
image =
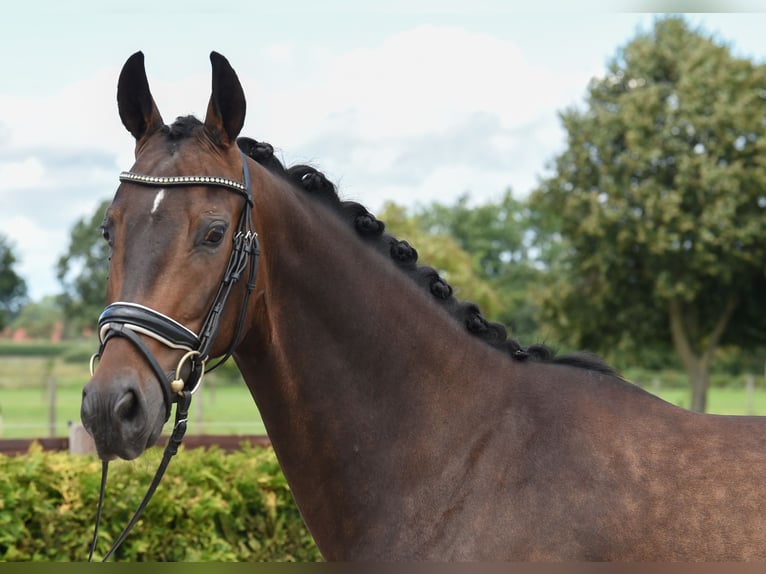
x,y
180,233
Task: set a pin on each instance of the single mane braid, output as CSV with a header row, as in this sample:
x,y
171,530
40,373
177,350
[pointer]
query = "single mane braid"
x,y
372,231
403,253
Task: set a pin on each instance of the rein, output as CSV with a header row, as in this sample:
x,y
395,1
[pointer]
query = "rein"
x,y
132,321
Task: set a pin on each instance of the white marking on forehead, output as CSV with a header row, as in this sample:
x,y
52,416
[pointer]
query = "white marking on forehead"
x,y
158,199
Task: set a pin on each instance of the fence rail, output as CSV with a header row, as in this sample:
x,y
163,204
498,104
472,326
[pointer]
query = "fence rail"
x,y
77,443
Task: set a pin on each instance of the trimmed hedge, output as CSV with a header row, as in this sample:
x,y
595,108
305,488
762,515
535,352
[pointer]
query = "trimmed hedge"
x,y
31,349
210,506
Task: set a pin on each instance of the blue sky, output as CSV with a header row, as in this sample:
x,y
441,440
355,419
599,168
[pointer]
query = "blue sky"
x,y
408,102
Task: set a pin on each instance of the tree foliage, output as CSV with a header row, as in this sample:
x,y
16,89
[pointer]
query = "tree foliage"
x,y
82,271
13,288
39,318
484,250
492,232
660,201
498,236
443,253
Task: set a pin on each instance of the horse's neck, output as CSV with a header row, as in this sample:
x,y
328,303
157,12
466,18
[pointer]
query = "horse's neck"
x,y
355,371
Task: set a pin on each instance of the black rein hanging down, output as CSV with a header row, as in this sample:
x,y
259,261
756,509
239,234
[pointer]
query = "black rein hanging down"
x,y
130,320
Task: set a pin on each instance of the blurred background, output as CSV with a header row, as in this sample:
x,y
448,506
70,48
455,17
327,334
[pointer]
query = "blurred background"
x,y
593,179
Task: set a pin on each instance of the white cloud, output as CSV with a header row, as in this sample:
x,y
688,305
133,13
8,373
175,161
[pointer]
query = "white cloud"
x,y
38,249
80,115
411,106
27,173
415,82
425,114
83,117
280,53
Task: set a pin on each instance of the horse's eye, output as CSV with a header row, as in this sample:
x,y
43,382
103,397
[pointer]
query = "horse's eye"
x,y
105,234
215,234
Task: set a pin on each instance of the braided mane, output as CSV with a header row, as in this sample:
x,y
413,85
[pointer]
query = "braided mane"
x,y
372,231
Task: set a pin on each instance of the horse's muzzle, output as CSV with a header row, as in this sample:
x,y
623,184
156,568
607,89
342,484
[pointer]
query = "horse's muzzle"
x,y
119,418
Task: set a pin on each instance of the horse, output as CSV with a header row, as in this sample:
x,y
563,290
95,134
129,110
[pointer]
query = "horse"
x,y
408,426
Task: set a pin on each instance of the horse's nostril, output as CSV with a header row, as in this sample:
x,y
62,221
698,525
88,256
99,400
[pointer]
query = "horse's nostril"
x,y
127,407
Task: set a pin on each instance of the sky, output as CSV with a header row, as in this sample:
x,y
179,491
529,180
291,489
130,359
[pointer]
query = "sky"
x,y
402,101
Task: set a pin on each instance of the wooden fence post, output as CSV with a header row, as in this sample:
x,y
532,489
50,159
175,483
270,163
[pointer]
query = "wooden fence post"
x,y
80,442
750,393
51,405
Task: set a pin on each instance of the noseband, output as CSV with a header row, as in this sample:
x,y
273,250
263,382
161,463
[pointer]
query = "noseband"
x,y
131,321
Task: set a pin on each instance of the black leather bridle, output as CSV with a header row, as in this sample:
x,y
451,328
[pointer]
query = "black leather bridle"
x,y
133,321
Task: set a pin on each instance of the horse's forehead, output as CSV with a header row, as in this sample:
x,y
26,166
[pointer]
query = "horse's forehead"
x,y
165,204
188,160
187,157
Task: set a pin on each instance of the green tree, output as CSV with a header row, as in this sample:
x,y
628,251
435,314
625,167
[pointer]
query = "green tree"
x,y
82,271
442,252
497,234
39,318
13,288
492,232
660,202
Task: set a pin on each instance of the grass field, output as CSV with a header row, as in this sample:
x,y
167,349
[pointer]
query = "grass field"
x,y
25,398
217,408
726,401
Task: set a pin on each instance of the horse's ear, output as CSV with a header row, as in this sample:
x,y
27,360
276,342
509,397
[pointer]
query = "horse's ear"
x,y
138,111
226,110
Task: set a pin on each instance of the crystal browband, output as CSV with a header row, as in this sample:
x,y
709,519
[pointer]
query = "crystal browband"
x,y
183,180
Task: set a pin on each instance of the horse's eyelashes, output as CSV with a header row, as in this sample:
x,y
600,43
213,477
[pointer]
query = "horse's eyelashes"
x,y
215,234
106,234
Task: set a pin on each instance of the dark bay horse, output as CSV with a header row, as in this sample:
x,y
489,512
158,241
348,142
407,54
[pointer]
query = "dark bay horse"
x,y
407,425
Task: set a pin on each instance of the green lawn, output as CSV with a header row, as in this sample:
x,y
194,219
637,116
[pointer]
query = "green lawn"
x,y
25,398
27,372
216,409
726,401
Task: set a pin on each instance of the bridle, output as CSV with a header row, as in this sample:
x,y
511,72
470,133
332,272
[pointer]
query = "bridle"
x,y
133,321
